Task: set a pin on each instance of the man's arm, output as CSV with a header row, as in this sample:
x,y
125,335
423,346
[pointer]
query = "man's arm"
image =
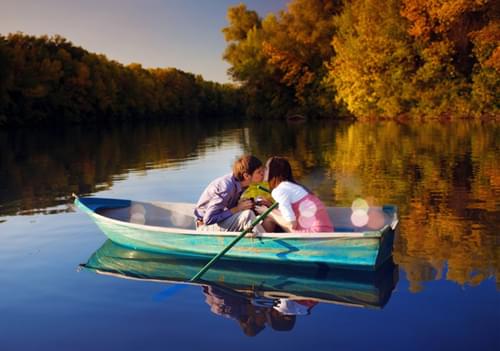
x,y
216,209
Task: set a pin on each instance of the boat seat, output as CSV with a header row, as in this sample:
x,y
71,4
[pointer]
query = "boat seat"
x,y
156,214
149,214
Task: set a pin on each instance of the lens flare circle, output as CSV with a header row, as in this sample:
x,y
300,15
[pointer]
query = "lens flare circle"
x,y
359,217
360,204
307,208
306,222
137,214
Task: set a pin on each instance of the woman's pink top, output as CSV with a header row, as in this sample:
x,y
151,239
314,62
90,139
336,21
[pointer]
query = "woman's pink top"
x,y
311,215
296,204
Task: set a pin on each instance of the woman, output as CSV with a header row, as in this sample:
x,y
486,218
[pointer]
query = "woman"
x,y
299,209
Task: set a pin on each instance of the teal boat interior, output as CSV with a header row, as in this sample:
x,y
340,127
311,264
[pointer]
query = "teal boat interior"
x,y
180,215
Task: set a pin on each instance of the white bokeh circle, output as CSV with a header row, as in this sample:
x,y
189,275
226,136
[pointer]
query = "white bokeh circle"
x,y
307,208
359,217
306,222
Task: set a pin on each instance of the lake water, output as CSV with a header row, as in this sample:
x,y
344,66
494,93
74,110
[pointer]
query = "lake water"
x,y
442,292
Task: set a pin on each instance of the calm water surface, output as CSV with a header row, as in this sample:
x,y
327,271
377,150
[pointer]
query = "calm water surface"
x,y
441,293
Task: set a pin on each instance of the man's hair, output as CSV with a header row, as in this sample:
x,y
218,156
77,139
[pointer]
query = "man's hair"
x,y
245,164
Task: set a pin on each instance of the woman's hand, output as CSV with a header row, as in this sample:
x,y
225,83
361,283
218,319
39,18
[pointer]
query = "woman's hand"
x,y
265,202
278,218
260,209
245,204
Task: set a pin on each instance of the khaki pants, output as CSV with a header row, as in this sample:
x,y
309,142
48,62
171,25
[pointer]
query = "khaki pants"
x,y
236,223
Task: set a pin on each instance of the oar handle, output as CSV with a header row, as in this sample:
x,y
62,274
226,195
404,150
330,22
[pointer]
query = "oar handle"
x,y
263,188
232,243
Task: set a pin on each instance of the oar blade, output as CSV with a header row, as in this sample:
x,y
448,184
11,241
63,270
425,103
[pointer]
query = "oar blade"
x,y
168,292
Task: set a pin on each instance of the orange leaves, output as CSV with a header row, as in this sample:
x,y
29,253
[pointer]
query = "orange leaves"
x,y
298,43
241,21
494,60
437,17
280,60
487,44
419,58
295,72
422,58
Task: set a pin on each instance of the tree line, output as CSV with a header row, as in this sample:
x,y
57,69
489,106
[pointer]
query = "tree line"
x,y
368,58
47,80
320,58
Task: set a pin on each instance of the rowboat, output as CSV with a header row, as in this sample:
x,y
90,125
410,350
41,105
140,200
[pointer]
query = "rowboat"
x,y
261,280
168,227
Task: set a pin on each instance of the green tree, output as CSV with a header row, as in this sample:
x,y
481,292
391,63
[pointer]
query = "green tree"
x,y
5,74
265,95
280,60
486,71
373,59
49,80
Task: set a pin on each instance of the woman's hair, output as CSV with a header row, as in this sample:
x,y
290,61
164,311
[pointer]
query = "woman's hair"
x,y
245,164
280,322
278,169
250,326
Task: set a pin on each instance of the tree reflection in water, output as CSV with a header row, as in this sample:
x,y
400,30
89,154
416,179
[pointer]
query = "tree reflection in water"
x,y
444,177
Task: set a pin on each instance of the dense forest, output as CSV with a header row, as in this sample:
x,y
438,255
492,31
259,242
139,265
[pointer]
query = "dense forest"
x,y
368,58
49,80
320,58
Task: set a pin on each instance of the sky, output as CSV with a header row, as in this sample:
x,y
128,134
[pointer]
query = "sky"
x,y
185,34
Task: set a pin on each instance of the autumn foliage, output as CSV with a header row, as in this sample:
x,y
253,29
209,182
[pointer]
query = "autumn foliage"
x,y
392,59
369,59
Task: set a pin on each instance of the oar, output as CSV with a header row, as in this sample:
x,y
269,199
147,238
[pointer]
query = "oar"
x,y
172,290
232,243
263,188
169,291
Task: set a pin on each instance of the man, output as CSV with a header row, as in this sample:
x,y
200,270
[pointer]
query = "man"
x,y
220,208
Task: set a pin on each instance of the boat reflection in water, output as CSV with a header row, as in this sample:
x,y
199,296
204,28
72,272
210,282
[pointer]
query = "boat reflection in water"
x,y
255,295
